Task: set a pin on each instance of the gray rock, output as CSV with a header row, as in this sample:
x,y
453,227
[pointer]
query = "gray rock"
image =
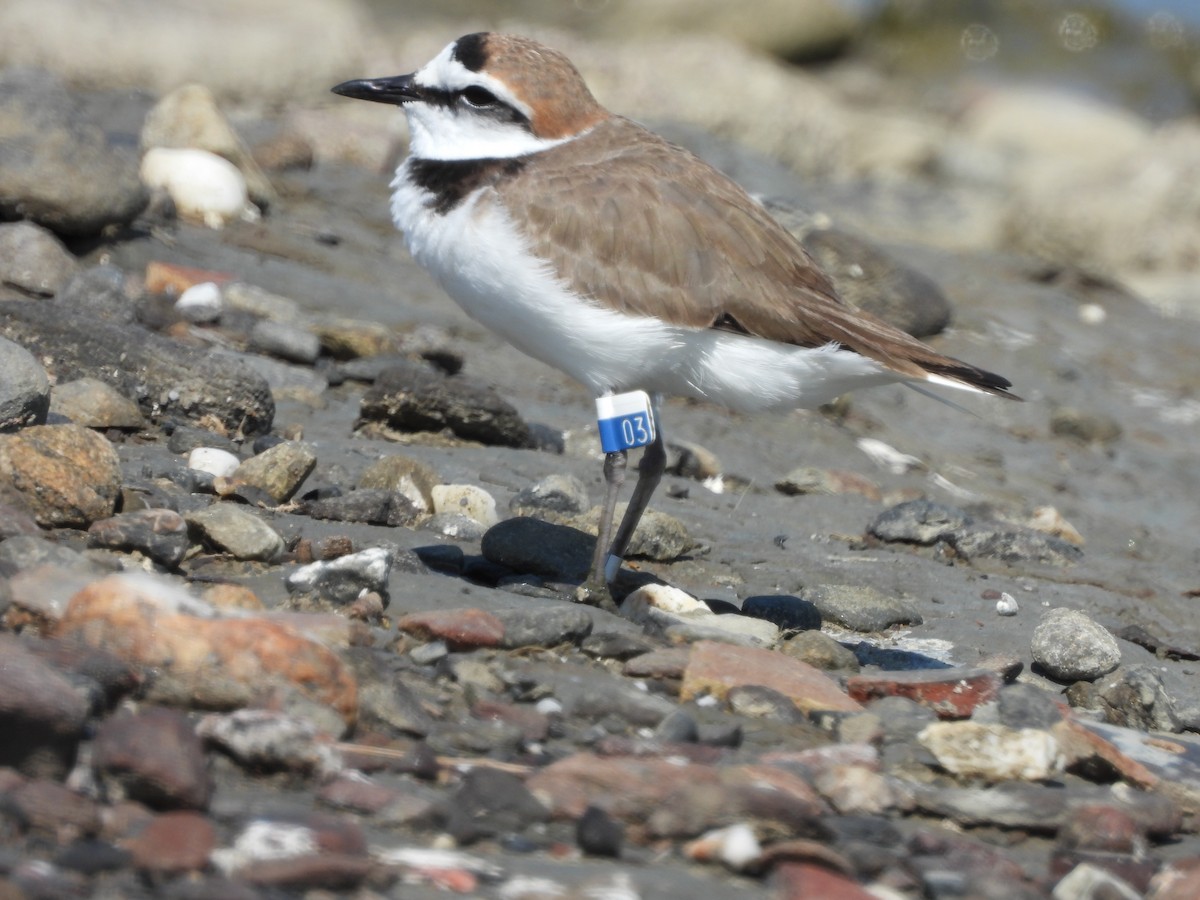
x,y
541,548
926,523
42,715
861,608
57,167
556,498
591,694
489,804
33,260
1011,544
375,506
820,650
24,388
1070,646
341,580
287,341
919,522
231,529
101,292
544,626
166,377
160,534
1135,697
599,834
1027,706
789,613
658,536
95,404
418,397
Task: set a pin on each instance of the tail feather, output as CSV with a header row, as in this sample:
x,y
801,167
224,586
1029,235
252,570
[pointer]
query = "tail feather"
x,y
955,373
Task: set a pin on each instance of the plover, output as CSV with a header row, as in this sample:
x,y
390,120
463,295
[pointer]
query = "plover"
x,y
598,247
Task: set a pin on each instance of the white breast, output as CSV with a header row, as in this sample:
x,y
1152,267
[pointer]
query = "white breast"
x,y
478,255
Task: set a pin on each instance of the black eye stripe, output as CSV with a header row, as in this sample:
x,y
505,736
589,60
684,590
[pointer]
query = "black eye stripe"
x,y
497,109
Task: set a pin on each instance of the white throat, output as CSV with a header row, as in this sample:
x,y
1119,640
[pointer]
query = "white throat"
x,y
449,133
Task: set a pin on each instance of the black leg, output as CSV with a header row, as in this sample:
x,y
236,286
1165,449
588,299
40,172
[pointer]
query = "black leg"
x,y
614,477
650,472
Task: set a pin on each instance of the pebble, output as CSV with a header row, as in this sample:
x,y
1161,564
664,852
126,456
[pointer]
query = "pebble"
x,y
715,668
205,188
1070,646
278,470
926,523
861,608
200,304
95,404
213,460
819,650
459,629
788,613
160,534
374,506
465,499
58,164
556,498
994,752
658,536
43,712
199,658
951,693
735,846
404,475
66,474
289,342
24,388
231,529
599,834
529,545
33,260
1135,697
418,397
342,580
153,756
173,843
270,740
491,804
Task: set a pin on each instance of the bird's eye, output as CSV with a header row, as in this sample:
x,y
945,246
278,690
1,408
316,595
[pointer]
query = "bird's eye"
x,y
477,96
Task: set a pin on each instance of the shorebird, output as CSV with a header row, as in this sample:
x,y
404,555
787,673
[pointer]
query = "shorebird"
x,y
603,250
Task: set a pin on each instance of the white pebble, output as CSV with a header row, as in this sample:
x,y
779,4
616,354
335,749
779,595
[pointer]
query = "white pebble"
x,y
1092,314
1007,605
735,845
204,187
549,706
216,462
200,303
467,499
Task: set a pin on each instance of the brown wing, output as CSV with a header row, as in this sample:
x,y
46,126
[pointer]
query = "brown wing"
x,y
660,233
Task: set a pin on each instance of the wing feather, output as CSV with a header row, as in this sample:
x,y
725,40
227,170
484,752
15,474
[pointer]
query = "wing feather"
x,y
656,232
